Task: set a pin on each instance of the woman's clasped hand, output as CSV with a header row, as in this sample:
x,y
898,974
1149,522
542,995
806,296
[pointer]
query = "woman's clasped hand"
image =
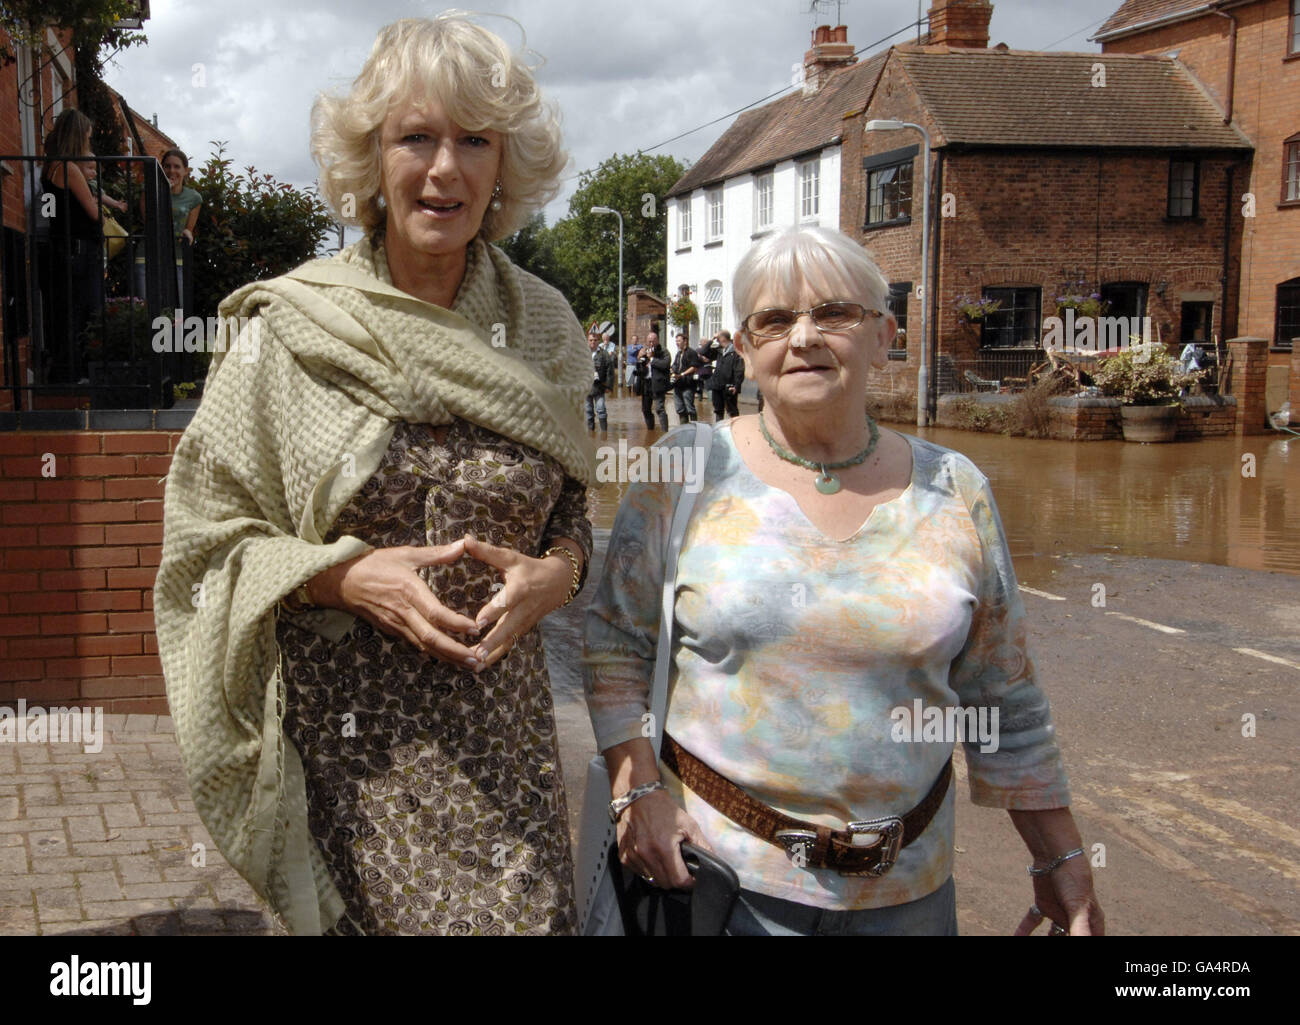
x,y
384,587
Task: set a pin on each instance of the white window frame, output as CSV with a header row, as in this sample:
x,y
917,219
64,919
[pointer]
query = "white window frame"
x,y
684,222
711,317
764,200
716,215
810,199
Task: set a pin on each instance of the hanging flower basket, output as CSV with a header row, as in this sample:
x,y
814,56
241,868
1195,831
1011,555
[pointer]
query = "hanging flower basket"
x,y
683,312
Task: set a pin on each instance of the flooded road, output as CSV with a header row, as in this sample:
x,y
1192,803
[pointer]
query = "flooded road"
x,y
1191,501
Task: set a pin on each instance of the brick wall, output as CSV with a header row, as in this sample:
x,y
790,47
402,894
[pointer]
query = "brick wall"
x,y
1098,419
1249,383
1039,218
80,550
41,93
1295,385
1266,106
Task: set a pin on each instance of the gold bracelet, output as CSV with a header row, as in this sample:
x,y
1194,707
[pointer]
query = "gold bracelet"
x,y
298,600
577,570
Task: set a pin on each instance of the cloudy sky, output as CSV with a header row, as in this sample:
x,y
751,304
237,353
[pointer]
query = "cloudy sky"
x,y
627,76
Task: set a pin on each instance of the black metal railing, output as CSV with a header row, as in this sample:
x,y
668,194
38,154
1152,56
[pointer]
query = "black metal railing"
x,y
93,308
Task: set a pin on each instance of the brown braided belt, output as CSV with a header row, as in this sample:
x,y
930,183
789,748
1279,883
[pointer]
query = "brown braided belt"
x,y
867,848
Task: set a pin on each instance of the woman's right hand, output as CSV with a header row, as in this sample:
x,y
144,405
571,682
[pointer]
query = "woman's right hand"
x,y
651,831
384,588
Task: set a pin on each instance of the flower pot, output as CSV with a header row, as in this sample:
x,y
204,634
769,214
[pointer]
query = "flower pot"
x,y
1149,423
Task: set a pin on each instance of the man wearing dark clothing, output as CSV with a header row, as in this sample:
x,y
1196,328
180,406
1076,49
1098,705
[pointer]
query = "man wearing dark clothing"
x,y
710,350
602,374
727,377
653,365
685,365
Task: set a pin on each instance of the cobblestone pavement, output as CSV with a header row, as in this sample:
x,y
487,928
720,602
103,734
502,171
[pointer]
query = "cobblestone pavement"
x,y
103,844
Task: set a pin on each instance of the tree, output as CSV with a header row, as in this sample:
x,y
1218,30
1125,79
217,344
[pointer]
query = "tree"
x,y
634,185
93,22
579,253
532,248
250,227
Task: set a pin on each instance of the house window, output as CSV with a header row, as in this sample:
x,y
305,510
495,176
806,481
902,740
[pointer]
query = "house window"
x,y
1197,322
1184,188
764,196
1291,168
896,303
889,186
1125,299
1016,322
684,222
1288,313
1295,27
810,189
715,215
712,318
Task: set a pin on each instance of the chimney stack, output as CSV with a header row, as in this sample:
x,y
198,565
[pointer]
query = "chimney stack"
x,y
830,50
961,23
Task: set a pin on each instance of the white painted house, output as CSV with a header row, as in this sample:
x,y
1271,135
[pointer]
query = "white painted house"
x,y
776,166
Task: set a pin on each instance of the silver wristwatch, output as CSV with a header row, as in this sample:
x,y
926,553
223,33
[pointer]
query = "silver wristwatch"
x,y
617,805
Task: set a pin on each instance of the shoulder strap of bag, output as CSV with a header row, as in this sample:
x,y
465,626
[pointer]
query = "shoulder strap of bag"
x,y
703,443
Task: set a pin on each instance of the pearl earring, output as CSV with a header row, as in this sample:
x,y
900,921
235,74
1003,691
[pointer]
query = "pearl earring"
x,y
496,196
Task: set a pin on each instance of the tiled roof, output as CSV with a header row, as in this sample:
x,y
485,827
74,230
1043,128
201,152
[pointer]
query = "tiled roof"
x,y
1017,98
783,128
1135,13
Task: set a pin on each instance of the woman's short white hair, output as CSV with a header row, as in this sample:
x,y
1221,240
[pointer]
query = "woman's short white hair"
x,y
828,259
481,84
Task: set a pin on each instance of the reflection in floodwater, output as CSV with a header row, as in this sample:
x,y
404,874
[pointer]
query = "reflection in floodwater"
x,y
1187,500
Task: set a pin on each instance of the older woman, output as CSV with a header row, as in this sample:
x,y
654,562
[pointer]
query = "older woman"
x,y
381,495
834,581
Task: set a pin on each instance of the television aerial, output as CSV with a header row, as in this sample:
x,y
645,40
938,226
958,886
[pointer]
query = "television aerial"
x,y
824,6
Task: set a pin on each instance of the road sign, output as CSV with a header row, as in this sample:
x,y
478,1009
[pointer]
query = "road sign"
x,y
605,328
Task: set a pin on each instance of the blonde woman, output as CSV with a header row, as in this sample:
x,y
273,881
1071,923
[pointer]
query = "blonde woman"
x,y
381,496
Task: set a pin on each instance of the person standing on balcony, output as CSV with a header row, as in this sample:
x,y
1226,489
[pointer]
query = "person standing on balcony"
x,y
185,218
73,214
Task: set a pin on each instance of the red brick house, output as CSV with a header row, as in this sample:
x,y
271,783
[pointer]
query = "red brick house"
x,y
1052,174
1246,55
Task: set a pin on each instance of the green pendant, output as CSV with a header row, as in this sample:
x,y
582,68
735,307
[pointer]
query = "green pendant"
x,y
827,484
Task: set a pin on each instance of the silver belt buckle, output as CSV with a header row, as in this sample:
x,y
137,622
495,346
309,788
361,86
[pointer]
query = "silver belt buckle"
x,y
796,841
888,832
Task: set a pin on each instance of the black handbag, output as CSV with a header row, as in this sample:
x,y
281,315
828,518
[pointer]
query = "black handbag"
x,y
650,911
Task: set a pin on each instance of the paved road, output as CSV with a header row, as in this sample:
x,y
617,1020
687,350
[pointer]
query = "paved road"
x,y
1199,822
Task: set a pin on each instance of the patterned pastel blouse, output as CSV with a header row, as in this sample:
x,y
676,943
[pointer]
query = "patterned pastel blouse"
x,y
798,659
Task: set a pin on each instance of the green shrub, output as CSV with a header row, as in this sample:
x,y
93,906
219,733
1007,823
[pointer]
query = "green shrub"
x,y
250,228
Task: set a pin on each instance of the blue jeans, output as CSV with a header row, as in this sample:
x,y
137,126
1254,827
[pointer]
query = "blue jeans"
x,y
685,401
758,915
598,403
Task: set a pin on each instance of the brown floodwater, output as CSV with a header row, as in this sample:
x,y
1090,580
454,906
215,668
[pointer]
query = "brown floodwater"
x,y
1193,501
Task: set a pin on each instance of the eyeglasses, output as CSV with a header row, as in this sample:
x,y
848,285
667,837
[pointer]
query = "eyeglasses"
x,y
772,324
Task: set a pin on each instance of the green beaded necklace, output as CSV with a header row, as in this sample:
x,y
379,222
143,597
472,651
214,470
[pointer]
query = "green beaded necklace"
x,y
825,483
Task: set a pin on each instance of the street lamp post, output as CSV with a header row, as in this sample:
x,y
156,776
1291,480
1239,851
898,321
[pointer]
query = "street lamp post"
x,y
923,374
622,356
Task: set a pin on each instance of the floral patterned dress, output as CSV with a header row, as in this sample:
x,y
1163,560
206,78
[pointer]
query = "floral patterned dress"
x,y
435,793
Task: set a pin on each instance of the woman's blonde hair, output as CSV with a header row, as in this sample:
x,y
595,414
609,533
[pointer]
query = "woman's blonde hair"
x,y
479,82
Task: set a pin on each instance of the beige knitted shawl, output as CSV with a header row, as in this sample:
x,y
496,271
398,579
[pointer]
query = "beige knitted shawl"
x,y
291,426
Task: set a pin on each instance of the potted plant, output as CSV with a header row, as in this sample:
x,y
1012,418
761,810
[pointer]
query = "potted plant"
x,y
973,310
683,312
1149,383
1075,296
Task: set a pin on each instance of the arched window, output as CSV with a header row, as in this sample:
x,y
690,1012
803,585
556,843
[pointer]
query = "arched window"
x,y
711,318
